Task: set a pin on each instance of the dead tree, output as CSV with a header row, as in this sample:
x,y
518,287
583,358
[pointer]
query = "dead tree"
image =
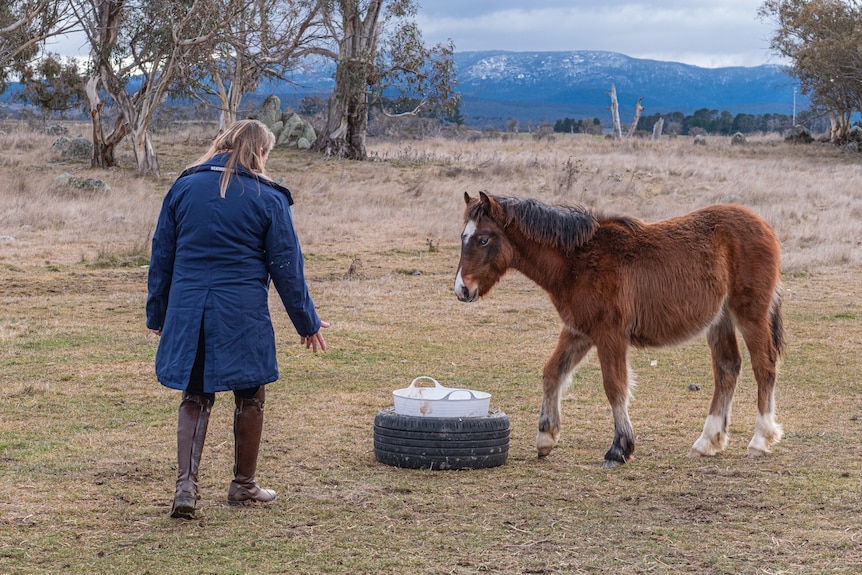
x,y
615,113
657,129
638,110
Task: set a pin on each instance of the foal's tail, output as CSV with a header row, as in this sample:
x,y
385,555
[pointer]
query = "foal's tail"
x,y
776,323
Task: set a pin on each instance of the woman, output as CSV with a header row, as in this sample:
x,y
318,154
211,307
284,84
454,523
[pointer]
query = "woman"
x,y
225,230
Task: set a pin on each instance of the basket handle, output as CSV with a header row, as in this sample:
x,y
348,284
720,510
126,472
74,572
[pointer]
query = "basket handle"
x,y
436,383
472,396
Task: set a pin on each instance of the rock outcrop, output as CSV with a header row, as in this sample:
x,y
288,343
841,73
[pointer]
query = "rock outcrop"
x,y
290,129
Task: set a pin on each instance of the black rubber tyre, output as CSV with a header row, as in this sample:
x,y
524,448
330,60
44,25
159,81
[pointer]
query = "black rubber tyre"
x,y
441,442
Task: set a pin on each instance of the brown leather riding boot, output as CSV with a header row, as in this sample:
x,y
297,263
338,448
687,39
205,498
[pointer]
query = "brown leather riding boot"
x,y
247,429
194,416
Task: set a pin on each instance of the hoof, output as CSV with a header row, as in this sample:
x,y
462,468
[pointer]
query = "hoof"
x,y
611,462
754,452
544,451
695,453
545,444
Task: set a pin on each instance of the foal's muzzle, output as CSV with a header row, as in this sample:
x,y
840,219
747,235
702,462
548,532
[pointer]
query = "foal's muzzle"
x,y
462,292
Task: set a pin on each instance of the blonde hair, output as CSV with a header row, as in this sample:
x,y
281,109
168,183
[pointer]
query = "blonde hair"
x,y
248,141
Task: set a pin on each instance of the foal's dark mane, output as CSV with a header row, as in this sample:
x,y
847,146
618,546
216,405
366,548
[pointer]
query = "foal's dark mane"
x,y
565,227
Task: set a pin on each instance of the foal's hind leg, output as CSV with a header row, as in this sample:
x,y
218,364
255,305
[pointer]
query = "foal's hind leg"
x,y
571,349
764,357
726,363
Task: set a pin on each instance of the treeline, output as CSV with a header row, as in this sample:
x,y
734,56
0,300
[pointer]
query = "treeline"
x,y
703,121
715,122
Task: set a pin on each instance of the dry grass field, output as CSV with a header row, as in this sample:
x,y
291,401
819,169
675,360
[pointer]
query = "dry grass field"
x,y
87,435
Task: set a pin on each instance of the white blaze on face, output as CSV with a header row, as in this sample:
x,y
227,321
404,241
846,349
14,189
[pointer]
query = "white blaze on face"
x,y
469,231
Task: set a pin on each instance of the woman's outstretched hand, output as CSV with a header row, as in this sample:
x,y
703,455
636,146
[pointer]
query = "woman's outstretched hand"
x,y
315,341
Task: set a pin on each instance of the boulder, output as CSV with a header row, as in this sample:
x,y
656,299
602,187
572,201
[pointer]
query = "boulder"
x,y
60,144
269,112
295,132
799,135
86,185
290,129
78,148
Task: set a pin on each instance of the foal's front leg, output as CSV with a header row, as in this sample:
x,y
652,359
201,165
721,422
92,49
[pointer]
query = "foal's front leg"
x,y
571,348
615,378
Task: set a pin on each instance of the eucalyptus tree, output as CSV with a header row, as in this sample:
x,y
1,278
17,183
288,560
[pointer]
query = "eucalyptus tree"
x,y
822,40
378,48
24,27
141,51
52,83
262,39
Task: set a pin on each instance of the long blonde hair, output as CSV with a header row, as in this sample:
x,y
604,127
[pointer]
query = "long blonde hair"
x,y
248,141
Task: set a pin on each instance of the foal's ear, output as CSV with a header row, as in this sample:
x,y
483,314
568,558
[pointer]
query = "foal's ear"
x,y
492,207
467,198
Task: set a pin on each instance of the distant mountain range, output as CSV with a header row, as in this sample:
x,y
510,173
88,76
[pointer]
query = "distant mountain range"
x,y
546,86
499,86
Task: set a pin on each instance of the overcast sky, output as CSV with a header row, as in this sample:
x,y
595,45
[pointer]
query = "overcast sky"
x,y
707,33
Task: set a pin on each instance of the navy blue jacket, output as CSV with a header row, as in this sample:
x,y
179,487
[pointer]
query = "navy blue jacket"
x,y
210,268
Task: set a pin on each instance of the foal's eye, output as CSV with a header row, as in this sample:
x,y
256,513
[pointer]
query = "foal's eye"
x,y
483,241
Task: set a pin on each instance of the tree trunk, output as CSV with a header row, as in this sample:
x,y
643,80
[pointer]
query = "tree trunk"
x,y
230,97
840,127
347,119
145,154
103,144
136,116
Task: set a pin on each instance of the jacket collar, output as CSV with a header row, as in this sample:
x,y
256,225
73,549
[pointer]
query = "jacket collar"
x,y
216,164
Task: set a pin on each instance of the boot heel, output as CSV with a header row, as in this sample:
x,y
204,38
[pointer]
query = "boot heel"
x,y
242,495
183,508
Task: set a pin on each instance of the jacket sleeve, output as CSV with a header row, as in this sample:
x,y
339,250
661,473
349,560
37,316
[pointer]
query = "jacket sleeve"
x,y
161,268
287,269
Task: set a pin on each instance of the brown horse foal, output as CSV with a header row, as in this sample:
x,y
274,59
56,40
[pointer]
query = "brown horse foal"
x,y
617,281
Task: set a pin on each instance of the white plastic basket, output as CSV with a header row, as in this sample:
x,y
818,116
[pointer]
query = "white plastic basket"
x,y
440,401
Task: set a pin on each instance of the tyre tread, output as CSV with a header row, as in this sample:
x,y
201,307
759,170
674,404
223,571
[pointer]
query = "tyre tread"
x,y
417,442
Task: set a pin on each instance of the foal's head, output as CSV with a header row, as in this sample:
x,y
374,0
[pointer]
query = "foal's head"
x,y
493,227
486,252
